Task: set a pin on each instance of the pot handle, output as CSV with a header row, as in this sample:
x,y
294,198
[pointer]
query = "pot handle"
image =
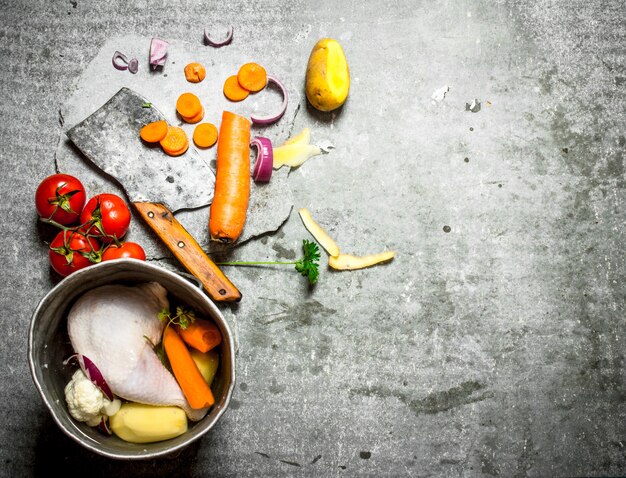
x,y
191,278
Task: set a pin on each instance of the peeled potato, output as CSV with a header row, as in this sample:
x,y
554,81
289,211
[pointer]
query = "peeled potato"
x,y
139,423
318,233
348,262
327,79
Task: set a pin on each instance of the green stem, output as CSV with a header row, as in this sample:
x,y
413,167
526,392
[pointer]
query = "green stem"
x,y
251,263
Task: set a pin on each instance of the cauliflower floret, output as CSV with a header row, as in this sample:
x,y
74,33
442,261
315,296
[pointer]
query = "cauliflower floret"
x,y
86,402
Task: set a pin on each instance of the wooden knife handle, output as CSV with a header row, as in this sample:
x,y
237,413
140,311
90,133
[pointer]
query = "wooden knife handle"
x,y
188,251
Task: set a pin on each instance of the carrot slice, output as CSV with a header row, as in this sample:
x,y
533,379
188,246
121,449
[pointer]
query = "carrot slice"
x,y
232,179
188,105
205,135
201,334
154,132
194,387
196,119
233,90
252,77
175,142
195,72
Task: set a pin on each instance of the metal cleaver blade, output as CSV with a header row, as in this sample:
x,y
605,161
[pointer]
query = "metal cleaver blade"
x,y
110,139
156,184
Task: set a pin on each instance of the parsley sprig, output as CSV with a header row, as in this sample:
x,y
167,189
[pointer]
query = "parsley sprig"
x,y
307,265
184,317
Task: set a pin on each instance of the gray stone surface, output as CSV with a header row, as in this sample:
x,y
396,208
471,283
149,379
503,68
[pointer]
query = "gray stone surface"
x,y
493,345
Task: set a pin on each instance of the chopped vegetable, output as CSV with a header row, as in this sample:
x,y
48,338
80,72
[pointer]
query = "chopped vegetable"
x,y
175,142
158,52
349,262
195,72
232,179
252,77
86,402
201,334
264,120
205,135
320,235
139,423
209,41
233,90
188,105
120,61
194,119
146,105
133,65
207,363
154,132
93,374
306,265
264,160
194,387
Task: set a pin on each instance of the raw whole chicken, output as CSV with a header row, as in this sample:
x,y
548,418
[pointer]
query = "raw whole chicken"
x,y
115,326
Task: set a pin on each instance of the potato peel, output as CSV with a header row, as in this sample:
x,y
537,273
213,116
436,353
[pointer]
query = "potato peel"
x,y
303,137
348,262
319,234
295,151
294,155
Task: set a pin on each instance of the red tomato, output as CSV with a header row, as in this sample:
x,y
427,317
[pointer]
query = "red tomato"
x,y
125,250
106,214
71,251
60,197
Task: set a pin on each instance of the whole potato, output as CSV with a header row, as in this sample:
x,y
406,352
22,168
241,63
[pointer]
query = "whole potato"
x,y
327,76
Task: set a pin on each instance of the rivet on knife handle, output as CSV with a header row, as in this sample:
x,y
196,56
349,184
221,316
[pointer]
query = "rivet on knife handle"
x,y
188,251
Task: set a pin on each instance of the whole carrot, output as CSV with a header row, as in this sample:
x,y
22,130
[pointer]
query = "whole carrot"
x,y
232,179
192,383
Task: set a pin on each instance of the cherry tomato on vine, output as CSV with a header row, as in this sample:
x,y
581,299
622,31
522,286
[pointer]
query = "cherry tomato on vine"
x,y
60,197
71,251
106,215
125,250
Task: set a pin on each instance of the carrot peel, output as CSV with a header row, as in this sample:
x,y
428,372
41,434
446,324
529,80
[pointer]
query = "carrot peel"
x,y
192,383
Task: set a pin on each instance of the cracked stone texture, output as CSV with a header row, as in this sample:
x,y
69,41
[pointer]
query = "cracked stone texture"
x,y
491,346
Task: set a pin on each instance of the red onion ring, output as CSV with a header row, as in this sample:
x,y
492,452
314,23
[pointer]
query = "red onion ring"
x,y
117,57
217,44
264,120
264,162
133,65
93,373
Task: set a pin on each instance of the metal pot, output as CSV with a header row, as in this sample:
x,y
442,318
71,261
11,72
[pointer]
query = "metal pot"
x,y
49,345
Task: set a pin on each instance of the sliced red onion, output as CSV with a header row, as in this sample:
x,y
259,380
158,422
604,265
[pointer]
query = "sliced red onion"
x,y
93,374
158,52
120,61
133,65
217,44
264,159
264,120
103,426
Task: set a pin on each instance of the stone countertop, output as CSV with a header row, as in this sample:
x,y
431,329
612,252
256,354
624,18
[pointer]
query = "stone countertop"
x,y
492,345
